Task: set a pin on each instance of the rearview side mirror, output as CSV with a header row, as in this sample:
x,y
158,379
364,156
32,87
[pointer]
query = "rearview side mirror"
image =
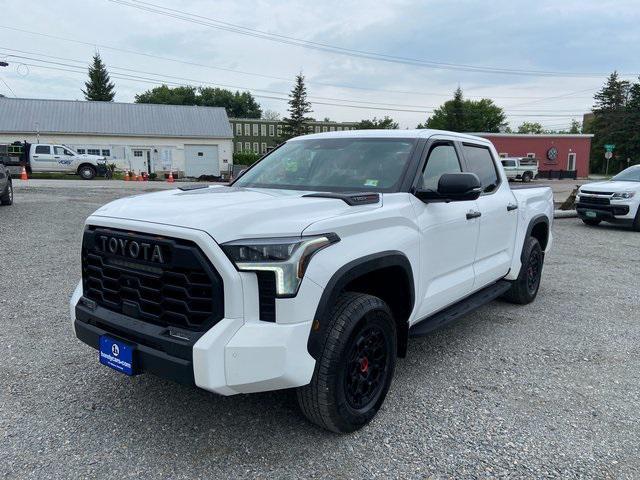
x,y
453,187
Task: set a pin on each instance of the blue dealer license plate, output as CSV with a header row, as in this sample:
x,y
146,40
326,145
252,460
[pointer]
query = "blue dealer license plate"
x,y
116,354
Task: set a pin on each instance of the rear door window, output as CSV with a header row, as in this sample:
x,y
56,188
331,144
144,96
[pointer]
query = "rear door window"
x,y
480,162
43,150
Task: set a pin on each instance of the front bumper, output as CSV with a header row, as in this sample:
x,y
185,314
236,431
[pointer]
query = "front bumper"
x,y
609,213
234,356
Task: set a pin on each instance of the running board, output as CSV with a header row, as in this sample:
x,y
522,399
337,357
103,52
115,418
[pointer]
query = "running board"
x,y
469,304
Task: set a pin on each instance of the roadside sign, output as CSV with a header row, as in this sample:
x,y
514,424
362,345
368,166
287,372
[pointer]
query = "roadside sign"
x,y
608,155
609,147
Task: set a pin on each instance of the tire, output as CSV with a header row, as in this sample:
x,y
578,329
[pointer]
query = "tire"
x,y
7,196
591,222
359,346
636,221
527,177
87,172
525,288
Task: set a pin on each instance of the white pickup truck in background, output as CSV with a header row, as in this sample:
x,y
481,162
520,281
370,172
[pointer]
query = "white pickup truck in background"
x,y
520,168
47,157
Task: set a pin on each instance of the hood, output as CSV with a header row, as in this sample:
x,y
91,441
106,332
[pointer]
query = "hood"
x,y
611,186
231,213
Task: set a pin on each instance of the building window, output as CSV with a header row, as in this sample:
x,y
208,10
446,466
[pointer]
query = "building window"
x,y
338,129
247,130
325,129
239,147
96,151
503,155
531,155
136,153
247,146
238,129
332,129
263,130
279,130
81,151
272,130
263,147
255,147
106,152
255,129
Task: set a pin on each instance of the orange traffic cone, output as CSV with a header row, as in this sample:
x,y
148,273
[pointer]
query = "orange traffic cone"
x,y
126,176
23,174
170,179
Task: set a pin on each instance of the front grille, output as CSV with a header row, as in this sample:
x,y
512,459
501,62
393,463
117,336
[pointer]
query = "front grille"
x,y
594,200
591,192
174,285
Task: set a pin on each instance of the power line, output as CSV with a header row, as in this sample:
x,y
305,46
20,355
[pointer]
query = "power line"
x,y
254,74
288,40
7,85
137,76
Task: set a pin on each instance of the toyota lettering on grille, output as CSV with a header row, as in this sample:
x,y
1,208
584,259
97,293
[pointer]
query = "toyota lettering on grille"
x,y
132,249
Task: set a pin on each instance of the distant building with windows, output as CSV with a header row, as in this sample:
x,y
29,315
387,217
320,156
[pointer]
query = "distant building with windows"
x,y
261,136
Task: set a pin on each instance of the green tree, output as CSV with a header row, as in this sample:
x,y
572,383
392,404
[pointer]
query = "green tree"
x,y
237,104
386,123
99,86
612,111
530,127
460,115
299,107
169,96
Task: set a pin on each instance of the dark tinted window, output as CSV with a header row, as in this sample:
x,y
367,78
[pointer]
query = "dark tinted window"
x,y
43,149
480,162
442,159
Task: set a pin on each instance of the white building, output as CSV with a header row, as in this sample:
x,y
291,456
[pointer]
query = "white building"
x,y
189,140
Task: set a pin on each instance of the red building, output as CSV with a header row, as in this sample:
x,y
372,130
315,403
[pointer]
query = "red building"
x,y
553,152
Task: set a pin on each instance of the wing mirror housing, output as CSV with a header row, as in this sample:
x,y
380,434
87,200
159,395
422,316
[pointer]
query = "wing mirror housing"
x,y
453,187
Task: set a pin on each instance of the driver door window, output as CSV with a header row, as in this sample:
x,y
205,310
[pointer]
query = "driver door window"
x,y
442,159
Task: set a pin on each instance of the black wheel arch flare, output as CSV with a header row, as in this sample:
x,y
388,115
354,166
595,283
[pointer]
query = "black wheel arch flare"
x,y
344,276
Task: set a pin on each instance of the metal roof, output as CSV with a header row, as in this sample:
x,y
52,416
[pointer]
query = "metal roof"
x,y
27,115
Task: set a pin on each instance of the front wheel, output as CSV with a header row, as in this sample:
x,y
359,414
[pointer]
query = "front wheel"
x,y
7,196
527,177
353,374
87,172
636,221
525,288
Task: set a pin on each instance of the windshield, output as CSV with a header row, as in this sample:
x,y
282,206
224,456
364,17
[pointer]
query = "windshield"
x,y
333,164
631,174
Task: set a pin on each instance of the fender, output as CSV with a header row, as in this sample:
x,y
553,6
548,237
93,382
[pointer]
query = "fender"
x,y
352,270
537,220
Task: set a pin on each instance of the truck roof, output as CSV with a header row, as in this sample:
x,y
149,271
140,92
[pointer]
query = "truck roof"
x,y
415,133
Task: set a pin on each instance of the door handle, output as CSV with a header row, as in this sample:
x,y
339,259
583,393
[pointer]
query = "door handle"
x,y
512,206
35,156
56,157
473,214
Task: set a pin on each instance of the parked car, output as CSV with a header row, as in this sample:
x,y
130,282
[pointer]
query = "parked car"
x,y
6,186
614,201
45,157
331,251
520,168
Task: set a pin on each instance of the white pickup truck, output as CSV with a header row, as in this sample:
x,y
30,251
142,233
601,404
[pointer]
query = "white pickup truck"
x,y
312,269
46,157
520,168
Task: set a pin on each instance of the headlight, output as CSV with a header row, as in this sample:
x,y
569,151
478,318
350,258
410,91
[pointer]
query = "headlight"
x,y
287,258
623,195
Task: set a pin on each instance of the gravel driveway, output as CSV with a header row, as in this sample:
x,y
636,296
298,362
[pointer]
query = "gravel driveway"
x,y
546,390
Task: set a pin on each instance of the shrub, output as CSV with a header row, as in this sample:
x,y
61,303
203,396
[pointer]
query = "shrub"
x,y
245,158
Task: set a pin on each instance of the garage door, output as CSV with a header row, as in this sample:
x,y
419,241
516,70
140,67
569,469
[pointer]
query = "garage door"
x,y
201,160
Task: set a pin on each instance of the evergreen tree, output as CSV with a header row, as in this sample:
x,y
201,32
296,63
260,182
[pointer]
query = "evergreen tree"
x,y
386,123
299,107
611,125
99,87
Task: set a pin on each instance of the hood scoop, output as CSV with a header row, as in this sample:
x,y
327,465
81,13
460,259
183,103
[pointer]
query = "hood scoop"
x,y
351,199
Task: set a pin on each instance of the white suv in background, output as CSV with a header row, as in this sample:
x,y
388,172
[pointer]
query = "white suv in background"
x,y
615,201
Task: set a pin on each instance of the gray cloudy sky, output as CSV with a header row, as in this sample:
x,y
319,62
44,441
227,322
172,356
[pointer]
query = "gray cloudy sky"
x,y
569,36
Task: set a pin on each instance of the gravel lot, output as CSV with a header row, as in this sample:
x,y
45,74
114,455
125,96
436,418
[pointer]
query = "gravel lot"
x,y
547,390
